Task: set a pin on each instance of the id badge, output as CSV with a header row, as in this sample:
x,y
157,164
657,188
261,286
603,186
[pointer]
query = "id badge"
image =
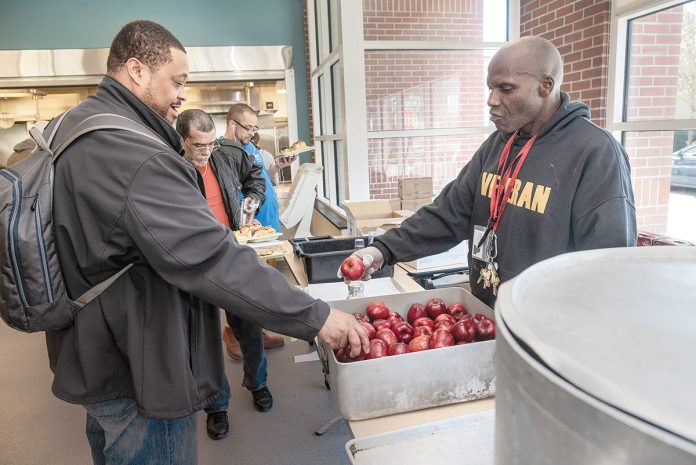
x,y
480,253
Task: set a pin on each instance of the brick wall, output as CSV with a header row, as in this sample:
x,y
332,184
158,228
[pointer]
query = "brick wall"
x,y
408,89
580,30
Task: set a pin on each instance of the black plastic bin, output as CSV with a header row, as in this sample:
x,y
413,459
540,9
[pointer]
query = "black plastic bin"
x,y
323,255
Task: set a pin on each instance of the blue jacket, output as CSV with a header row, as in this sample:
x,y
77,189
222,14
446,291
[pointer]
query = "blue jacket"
x,y
268,211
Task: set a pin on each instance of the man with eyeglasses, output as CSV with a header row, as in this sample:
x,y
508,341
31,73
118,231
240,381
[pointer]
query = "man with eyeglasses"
x,y
241,127
226,175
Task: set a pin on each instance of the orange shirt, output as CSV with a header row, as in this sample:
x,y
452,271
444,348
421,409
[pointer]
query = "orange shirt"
x,y
213,194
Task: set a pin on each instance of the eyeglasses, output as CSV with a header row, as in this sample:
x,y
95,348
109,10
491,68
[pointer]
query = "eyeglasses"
x,y
250,129
202,148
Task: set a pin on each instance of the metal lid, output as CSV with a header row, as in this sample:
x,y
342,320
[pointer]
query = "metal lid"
x,y
620,324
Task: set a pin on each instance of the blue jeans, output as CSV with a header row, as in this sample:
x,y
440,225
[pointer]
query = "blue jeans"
x,y
119,435
255,364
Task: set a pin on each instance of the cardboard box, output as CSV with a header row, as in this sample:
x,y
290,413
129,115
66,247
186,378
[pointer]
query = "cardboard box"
x,y
368,215
415,188
414,204
454,257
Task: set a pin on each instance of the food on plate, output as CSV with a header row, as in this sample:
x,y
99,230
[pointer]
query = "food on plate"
x,y
264,252
254,230
352,268
297,145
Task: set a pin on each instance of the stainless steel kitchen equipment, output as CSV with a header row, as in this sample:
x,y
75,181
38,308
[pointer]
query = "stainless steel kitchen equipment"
x,y
595,360
418,380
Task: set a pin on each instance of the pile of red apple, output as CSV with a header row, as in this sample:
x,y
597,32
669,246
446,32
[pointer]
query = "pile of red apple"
x,y
428,326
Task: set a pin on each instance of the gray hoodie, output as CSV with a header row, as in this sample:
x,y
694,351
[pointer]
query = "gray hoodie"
x,y
574,193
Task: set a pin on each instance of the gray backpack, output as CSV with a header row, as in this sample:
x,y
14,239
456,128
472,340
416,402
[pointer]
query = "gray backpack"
x,y
32,290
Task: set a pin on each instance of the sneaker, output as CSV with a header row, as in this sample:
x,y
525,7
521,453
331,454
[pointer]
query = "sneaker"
x,y
217,425
231,344
272,341
263,400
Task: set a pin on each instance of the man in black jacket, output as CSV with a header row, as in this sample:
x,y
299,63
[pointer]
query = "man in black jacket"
x,y
146,355
225,175
572,192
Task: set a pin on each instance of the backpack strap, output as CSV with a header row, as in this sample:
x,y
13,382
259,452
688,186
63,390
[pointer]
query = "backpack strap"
x,y
94,123
90,294
105,121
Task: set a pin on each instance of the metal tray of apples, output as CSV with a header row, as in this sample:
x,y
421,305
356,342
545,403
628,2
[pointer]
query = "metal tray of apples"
x,y
467,440
413,381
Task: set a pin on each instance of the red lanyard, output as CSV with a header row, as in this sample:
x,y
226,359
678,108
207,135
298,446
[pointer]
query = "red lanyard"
x,y
506,183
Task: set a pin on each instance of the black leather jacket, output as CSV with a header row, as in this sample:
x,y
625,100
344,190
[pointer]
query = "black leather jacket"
x,y
236,172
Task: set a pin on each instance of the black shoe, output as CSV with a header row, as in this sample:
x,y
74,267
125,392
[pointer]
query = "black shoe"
x,y
263,400
217,425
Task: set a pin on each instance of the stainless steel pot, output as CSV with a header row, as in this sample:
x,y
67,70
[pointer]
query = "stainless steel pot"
x,y
595,360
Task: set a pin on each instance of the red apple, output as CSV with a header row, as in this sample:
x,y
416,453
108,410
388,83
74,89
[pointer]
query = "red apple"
x,y
381,324
352,268
379,311
361,316
422,331
378,349
441,338
443,324
416,311
343,355
376,303
485,330
403,331
419,343
394,318
398,349
457,310
387,335
371,331
435,307
424,321
478,317
464,330
445,316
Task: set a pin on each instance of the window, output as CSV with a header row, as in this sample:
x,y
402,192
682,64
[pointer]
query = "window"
x,y
408,88
654,112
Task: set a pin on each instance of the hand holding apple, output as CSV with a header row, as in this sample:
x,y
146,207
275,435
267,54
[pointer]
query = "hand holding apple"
x,y
352,268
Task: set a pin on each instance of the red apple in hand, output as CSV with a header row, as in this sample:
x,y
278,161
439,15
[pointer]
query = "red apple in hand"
x,y
457,310
424,321
419,343
403,331
464,330
435,307
378,311
378,349
422,331
381,324
352,268
398,349
485,330
387,335
371,331
416,311
441,338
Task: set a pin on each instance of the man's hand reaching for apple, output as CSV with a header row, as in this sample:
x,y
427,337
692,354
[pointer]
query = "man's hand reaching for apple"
x,y
342,329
